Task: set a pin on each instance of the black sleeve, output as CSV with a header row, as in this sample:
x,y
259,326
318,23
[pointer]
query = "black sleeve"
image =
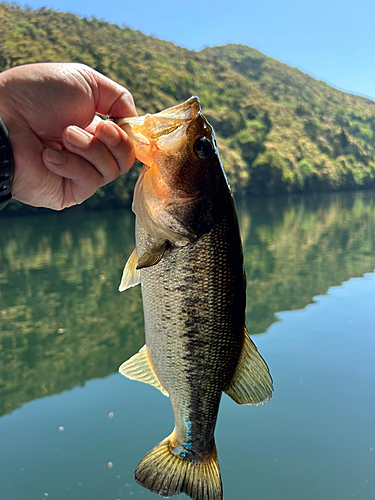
x,y
6,166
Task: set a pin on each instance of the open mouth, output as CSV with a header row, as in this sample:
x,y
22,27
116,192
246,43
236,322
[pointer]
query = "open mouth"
x,y
163,123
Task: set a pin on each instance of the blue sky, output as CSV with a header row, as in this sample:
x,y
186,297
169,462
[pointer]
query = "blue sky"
x,y
332,40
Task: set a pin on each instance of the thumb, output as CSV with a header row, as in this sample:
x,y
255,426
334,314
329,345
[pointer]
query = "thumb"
x,y
112,98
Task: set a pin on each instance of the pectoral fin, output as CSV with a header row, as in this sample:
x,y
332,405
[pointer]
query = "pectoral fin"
x,y
154,255
130,276
252,382
138,367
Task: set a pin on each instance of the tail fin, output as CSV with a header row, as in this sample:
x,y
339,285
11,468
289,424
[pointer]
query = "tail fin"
x,y
168,474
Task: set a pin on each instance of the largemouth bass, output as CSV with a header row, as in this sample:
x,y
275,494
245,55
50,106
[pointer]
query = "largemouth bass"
x,y
188,259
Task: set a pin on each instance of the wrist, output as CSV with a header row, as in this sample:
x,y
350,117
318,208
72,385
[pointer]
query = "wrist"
x,y
6,166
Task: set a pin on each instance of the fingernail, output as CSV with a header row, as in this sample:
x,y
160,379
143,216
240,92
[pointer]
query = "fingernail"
x,y
77,137
109,134
54,156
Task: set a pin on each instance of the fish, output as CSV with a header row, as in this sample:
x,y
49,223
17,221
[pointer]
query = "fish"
x,y
188,259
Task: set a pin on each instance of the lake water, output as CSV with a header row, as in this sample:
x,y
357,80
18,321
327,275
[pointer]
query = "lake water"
x,y
71,427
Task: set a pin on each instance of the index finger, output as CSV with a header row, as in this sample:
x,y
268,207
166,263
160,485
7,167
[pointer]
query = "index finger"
x,y
112,98
118,143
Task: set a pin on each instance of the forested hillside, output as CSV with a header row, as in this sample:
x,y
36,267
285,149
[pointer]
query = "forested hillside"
x,y
279,130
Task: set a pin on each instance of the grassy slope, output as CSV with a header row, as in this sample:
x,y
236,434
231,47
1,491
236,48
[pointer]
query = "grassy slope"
x,y
279,130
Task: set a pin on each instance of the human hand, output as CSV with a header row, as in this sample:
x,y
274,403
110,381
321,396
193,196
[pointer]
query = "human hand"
x,y
62,151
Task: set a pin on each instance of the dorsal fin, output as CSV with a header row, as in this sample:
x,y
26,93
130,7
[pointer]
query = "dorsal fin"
x,y
139,367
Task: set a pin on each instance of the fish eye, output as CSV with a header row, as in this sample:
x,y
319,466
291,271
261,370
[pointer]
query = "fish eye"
x,y
203,148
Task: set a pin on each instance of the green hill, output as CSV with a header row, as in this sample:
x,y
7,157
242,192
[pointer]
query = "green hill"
x,y
279,130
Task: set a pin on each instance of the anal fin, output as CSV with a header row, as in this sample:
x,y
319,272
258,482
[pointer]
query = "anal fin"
x,y
130,276
138,367
252,382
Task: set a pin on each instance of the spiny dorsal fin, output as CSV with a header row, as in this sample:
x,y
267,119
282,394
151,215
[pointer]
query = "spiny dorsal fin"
x,y
154,255
130,276
252,382
168,473
138,367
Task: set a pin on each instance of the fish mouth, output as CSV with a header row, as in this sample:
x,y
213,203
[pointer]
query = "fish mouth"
x,y
157,125
184,111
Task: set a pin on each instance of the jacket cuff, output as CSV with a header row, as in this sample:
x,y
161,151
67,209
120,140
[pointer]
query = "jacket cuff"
x,y
6,166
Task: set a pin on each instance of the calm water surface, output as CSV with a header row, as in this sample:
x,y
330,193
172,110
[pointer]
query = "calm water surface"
x,y
72,428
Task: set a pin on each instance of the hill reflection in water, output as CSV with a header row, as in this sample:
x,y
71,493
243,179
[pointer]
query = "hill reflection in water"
x,y
63,321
